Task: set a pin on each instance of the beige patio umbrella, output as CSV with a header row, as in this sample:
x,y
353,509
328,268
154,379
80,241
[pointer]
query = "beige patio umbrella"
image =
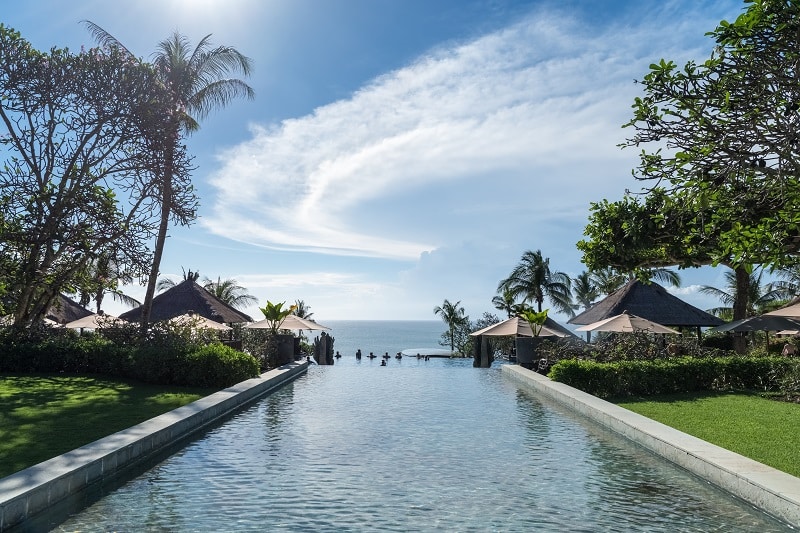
x,y
627,323
94,321
292,322
792,311
517,326
199,322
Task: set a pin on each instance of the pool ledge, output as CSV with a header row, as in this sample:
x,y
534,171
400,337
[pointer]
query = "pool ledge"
x,y
767,488
30,491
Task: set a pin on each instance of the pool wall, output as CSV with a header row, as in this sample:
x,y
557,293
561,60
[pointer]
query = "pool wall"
x,y
30,491
767,488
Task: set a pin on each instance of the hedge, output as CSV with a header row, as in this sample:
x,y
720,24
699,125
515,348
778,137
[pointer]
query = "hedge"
x,y
683,374
212,365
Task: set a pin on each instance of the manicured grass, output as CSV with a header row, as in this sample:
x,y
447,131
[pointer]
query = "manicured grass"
x,y
44,416
762,429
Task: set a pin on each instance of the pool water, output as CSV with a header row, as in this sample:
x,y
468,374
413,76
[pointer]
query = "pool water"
x,y
413,446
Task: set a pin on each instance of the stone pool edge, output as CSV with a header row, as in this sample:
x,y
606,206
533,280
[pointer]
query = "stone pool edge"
x,y
31,491
767,488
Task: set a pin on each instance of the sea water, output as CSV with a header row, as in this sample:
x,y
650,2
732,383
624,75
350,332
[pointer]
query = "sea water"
x,y
383,336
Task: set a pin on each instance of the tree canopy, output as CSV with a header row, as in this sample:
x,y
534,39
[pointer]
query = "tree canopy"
x,y
719,150
79,132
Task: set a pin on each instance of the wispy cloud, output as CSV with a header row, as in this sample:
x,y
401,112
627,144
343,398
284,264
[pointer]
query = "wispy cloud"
x,y
529,115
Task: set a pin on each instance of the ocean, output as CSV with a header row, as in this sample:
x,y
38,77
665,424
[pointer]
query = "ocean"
x,y
381,336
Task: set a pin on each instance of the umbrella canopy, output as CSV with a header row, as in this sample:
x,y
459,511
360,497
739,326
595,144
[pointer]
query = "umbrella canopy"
x,y
766,322
198,322
518,327
626,323
93,321
292,322
790,311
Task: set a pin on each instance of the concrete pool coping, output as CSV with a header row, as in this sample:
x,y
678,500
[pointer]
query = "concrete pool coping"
x,y
767,488
31,491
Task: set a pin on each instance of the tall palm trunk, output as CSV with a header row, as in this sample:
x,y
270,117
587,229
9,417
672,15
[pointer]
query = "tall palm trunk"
x,y
161,237
740,305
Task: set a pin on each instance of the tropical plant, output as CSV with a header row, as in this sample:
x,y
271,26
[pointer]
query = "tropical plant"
x,y
230,292
535,319
454,316
533,280
274,313
194,78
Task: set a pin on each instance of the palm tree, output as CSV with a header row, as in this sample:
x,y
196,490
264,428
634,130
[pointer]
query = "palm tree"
x,y
607,280
230,292
584,290
505,302
452,315
788,287
103,277
301,309
759,297
533,280
194,77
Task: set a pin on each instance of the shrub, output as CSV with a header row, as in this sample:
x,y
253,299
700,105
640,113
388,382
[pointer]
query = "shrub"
x,y
216,365
684,374
167,357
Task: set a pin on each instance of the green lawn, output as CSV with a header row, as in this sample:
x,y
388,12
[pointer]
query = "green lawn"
x,y
44,416
762,429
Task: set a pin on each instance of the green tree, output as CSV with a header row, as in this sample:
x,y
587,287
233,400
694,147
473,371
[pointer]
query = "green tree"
x,y
196,83
533,280
454,316
729,125
76,154
640,236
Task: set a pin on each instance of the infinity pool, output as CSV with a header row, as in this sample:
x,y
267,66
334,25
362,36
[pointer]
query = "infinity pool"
x,y
416,445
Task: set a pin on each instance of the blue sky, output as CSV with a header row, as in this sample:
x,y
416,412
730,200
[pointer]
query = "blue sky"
x,y
402,152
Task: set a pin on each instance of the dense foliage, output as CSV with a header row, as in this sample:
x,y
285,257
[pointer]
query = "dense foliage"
x,y
719,149
168,357
683,374
82,142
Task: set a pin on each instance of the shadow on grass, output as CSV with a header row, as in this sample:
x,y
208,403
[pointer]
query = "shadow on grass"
x,y
682,397
42,416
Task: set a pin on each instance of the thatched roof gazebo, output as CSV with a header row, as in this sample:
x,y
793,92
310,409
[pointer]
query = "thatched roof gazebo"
x,y
66,310
186,297
650,301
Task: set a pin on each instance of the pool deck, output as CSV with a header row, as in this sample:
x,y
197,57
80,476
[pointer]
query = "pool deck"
x,y
771,490
30,491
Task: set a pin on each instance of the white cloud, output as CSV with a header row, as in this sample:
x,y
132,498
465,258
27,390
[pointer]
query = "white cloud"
x,y
529,114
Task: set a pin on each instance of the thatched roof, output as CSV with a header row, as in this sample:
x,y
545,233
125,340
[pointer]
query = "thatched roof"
x,y
650,301
66,310
185,297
